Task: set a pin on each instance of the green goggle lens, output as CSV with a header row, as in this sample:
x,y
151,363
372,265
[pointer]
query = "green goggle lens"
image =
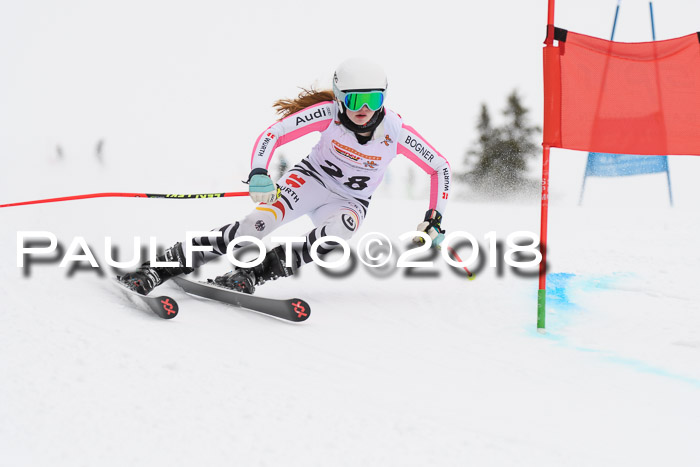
x,y
356,100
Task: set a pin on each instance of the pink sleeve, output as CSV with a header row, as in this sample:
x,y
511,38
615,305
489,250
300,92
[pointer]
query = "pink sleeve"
x,y
315,118
412,145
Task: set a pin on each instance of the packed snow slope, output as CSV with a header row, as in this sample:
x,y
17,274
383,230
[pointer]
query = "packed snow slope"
x,y
391,369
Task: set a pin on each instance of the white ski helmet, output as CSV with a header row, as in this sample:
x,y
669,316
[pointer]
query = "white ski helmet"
x,y
358,74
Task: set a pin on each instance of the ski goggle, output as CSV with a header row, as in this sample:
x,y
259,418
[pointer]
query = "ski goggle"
x,y
355,100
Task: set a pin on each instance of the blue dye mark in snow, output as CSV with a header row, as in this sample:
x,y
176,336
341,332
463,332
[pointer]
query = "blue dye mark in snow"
x,y
642,367
559,286
561,308
636,365
558,291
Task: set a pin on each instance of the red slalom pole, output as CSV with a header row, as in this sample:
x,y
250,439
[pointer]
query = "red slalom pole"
x,y
544,203
454,253
128,195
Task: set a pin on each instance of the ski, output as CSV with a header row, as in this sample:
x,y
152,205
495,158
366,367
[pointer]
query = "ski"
x,y
163,306
293,309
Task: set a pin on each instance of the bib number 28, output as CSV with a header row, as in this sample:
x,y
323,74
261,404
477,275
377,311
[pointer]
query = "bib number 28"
x,y
357,182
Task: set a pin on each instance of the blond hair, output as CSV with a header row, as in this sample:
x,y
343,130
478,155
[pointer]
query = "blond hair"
x,y
306,98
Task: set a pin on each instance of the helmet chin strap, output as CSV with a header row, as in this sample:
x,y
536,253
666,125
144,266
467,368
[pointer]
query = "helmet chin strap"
x,y
369,127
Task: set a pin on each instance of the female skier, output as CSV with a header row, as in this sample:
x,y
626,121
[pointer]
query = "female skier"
x,y
333,185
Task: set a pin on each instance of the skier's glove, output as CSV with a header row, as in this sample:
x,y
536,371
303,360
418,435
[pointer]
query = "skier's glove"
x,y
261,187
431,226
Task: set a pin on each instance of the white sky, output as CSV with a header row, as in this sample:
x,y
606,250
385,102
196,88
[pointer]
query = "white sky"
x,y
174,81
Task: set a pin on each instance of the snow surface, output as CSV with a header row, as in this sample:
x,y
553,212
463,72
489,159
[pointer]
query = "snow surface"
x,y
387,371
406,371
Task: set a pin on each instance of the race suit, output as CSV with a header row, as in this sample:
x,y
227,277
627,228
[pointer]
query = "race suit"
x,y
333,185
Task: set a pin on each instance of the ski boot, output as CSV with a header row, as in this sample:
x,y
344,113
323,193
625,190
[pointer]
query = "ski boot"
x,y
146,278
245,279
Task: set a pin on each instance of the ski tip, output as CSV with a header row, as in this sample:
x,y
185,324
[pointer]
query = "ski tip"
x,y
300,310
163,306
167,308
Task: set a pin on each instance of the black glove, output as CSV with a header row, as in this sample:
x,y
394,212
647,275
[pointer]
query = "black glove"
x,y
431,226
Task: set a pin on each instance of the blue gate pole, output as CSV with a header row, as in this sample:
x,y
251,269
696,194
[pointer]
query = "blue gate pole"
x,y
585,174
617,10
668,172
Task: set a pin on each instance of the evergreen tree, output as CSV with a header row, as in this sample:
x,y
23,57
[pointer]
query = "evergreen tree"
x,y
500,156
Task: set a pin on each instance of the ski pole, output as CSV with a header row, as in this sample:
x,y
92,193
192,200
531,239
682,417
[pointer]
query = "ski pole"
x,y
128,195
454,253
